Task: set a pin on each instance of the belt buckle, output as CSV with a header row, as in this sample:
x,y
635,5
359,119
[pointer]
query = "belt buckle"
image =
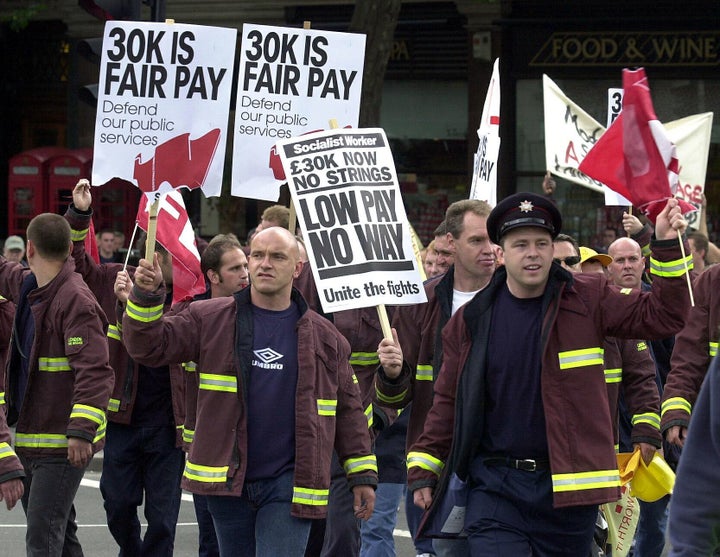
x,y
527,464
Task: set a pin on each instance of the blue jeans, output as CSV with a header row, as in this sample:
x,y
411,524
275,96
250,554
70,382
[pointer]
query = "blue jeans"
x,y
207,539
258,523
376,534
650,534
50,487
137,462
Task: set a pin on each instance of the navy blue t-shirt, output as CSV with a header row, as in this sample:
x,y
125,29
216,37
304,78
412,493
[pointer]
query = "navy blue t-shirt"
x,y
514,415
271,393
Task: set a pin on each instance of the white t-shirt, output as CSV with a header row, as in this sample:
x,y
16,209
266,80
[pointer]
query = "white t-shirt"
x,y
461,298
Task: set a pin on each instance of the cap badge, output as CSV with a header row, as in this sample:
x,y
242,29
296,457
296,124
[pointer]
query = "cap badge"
x,y
526,206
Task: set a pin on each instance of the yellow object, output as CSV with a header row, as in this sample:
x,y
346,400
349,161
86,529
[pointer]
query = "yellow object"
x,y
647,482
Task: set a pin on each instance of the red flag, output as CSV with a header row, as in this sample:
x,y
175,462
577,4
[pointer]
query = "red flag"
x,y
176,235
91,243
635,157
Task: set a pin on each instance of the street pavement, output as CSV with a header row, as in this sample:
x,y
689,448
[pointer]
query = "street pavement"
x,y
97,541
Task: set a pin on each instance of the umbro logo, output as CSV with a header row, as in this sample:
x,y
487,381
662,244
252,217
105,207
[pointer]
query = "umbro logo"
x,y
265,359
267,355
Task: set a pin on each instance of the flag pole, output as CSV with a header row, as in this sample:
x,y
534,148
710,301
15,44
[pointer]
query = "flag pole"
x,y
687,271
292,220
152,229
130,246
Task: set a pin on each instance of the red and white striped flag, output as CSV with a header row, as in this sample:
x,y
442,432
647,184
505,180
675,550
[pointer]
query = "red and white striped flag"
x,y
635,157
176,235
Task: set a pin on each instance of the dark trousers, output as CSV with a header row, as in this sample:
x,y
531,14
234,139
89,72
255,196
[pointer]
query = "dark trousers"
x,y
137,462
50,488
207,538
340,536
510,512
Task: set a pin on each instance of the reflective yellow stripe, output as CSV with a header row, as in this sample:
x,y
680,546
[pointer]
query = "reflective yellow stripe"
x,y
646,251
214,382
650,418
676,403
364,359
88,412
360,464
188,435
675,268
190,367
6,451
712,348
369,415
114,332
41,440
326,407
114,405
205,474
613,375
312,497
425,461
581,481
424,372
355,379
100,434
381,397
78,235
54,364
581,358
626,291
143,314
2,397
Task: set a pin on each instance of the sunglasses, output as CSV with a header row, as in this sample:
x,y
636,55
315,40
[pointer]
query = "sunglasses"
x,y
569,261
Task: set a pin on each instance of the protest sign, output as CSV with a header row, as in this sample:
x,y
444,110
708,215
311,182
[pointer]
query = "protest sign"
x,y
290,82
484,181
163,105
347,195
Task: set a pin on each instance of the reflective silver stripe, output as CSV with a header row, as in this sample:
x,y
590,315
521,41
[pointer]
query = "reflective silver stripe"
x,y
674,268
143,314
676,403
308,496
190,367
582,481
114,332
114,405
207,474
354,465
580,358
88,412
650,418
424,372
2,397
6,451
424,461
54,364
613,375
326,407
364,359
188,435
41,440
78,235
215,382
381,397
712,348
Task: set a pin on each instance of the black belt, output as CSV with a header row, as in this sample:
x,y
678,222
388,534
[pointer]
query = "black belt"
x,y
525,464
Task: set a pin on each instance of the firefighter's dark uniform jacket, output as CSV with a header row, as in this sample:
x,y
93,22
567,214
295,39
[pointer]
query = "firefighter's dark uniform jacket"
x,y
10,466
695,347
418,327
217,334
100,277
630,367
579,311
69,377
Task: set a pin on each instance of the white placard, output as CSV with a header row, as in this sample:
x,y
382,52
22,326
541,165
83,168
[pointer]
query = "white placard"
x,y
163,105
290,82
347,197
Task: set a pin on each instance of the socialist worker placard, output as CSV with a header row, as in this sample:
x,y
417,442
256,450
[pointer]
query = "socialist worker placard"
x,y
347,197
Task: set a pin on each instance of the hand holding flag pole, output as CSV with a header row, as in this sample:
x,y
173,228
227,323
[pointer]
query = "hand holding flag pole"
x,y
636,158
152,229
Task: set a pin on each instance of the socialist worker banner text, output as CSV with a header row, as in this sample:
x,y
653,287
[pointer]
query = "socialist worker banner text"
x,y
348,202
290,82
163,105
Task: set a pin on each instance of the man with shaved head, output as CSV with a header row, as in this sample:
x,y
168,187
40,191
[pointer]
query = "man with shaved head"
x,y
269,368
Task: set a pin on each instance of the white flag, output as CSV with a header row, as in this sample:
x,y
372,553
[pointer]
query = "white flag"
x,y
484,182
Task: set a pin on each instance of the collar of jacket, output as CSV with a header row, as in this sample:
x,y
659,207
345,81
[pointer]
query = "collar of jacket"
x,y
49,291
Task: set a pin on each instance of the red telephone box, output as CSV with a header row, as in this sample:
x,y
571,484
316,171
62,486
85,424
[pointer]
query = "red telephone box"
x,y
115,206
64,171
27,184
